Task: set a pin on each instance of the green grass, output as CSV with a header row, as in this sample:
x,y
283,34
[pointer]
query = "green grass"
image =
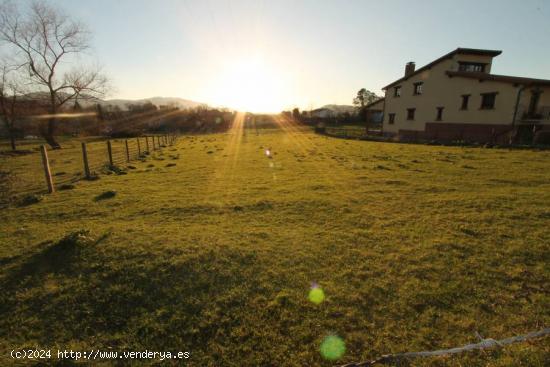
x,y
416,247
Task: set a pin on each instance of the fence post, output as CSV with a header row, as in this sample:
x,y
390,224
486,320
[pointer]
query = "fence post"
x,y
139,147
158,141
127,151
147,143
47,171
85,159
110,152
153,141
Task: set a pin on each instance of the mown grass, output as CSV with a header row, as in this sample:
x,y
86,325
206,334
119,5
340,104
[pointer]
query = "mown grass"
x,y
416,247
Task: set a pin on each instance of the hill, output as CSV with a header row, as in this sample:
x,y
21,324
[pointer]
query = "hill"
x,y
86,101
340,108
157,101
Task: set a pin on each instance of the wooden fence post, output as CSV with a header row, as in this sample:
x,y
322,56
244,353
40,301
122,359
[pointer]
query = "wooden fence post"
x,y
85,159
153,140
139,147
158,141
147,143
47,171
127,151
110,152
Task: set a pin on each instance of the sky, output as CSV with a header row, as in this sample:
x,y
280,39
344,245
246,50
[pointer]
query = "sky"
x,y
278,54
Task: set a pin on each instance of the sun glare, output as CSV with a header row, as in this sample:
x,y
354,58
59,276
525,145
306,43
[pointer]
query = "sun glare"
x,y
250,85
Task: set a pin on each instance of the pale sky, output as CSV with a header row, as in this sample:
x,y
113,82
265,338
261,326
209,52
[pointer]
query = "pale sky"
x,y
299,53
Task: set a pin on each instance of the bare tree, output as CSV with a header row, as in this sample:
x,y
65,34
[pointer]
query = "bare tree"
x,y
11,88
45,41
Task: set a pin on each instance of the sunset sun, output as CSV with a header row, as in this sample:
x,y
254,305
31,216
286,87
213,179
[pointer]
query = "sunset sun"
x,y
250,85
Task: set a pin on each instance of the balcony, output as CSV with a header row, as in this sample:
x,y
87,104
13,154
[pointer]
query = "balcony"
x,y
540,114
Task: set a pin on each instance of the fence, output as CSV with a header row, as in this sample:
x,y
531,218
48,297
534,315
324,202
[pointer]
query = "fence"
x,y
354,132
53,170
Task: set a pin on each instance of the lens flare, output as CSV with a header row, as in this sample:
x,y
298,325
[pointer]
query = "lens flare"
x,y
316,295
332,348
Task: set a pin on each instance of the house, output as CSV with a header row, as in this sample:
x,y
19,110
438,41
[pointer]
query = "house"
x,y
375,111
457,98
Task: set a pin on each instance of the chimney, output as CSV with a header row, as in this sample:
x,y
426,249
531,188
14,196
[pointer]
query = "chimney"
x,y
409,68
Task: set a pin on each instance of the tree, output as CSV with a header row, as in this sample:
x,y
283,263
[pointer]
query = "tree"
x,y
44,41
364,97
11,89
296,113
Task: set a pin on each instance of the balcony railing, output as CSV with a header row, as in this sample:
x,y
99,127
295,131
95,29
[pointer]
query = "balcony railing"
x,y
542,113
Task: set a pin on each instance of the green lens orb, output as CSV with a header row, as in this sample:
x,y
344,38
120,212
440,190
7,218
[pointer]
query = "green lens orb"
x,y
333,348
316,295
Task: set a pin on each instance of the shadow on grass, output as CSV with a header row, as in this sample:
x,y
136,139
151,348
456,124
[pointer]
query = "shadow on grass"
x,y
79,292
105,195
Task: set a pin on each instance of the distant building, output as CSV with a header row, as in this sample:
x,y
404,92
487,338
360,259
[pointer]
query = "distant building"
x,y
457,98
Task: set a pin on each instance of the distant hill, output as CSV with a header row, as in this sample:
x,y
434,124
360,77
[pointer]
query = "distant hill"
x,y
157,101
340,108
123,103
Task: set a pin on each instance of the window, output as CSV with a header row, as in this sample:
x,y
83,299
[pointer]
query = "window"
x,y
488,100
418,88
410,113
397,91
391,118
465,98
439,114
471,67
533,103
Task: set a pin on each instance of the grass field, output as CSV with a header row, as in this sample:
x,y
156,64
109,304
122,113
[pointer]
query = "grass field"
x,y
416,247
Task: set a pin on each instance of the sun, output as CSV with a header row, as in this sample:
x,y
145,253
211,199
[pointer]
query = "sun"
x,y
250,85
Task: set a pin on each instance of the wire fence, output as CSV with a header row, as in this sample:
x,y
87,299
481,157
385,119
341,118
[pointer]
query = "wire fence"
x,y
34,169
350,132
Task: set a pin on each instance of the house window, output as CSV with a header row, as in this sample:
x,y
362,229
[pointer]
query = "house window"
x,y
418,88
439,116
410,113
391,118
471,67
397,91
488,100
533,103
465,99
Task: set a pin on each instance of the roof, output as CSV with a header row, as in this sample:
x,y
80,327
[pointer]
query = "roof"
x,y
375,102
499,78
462,51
